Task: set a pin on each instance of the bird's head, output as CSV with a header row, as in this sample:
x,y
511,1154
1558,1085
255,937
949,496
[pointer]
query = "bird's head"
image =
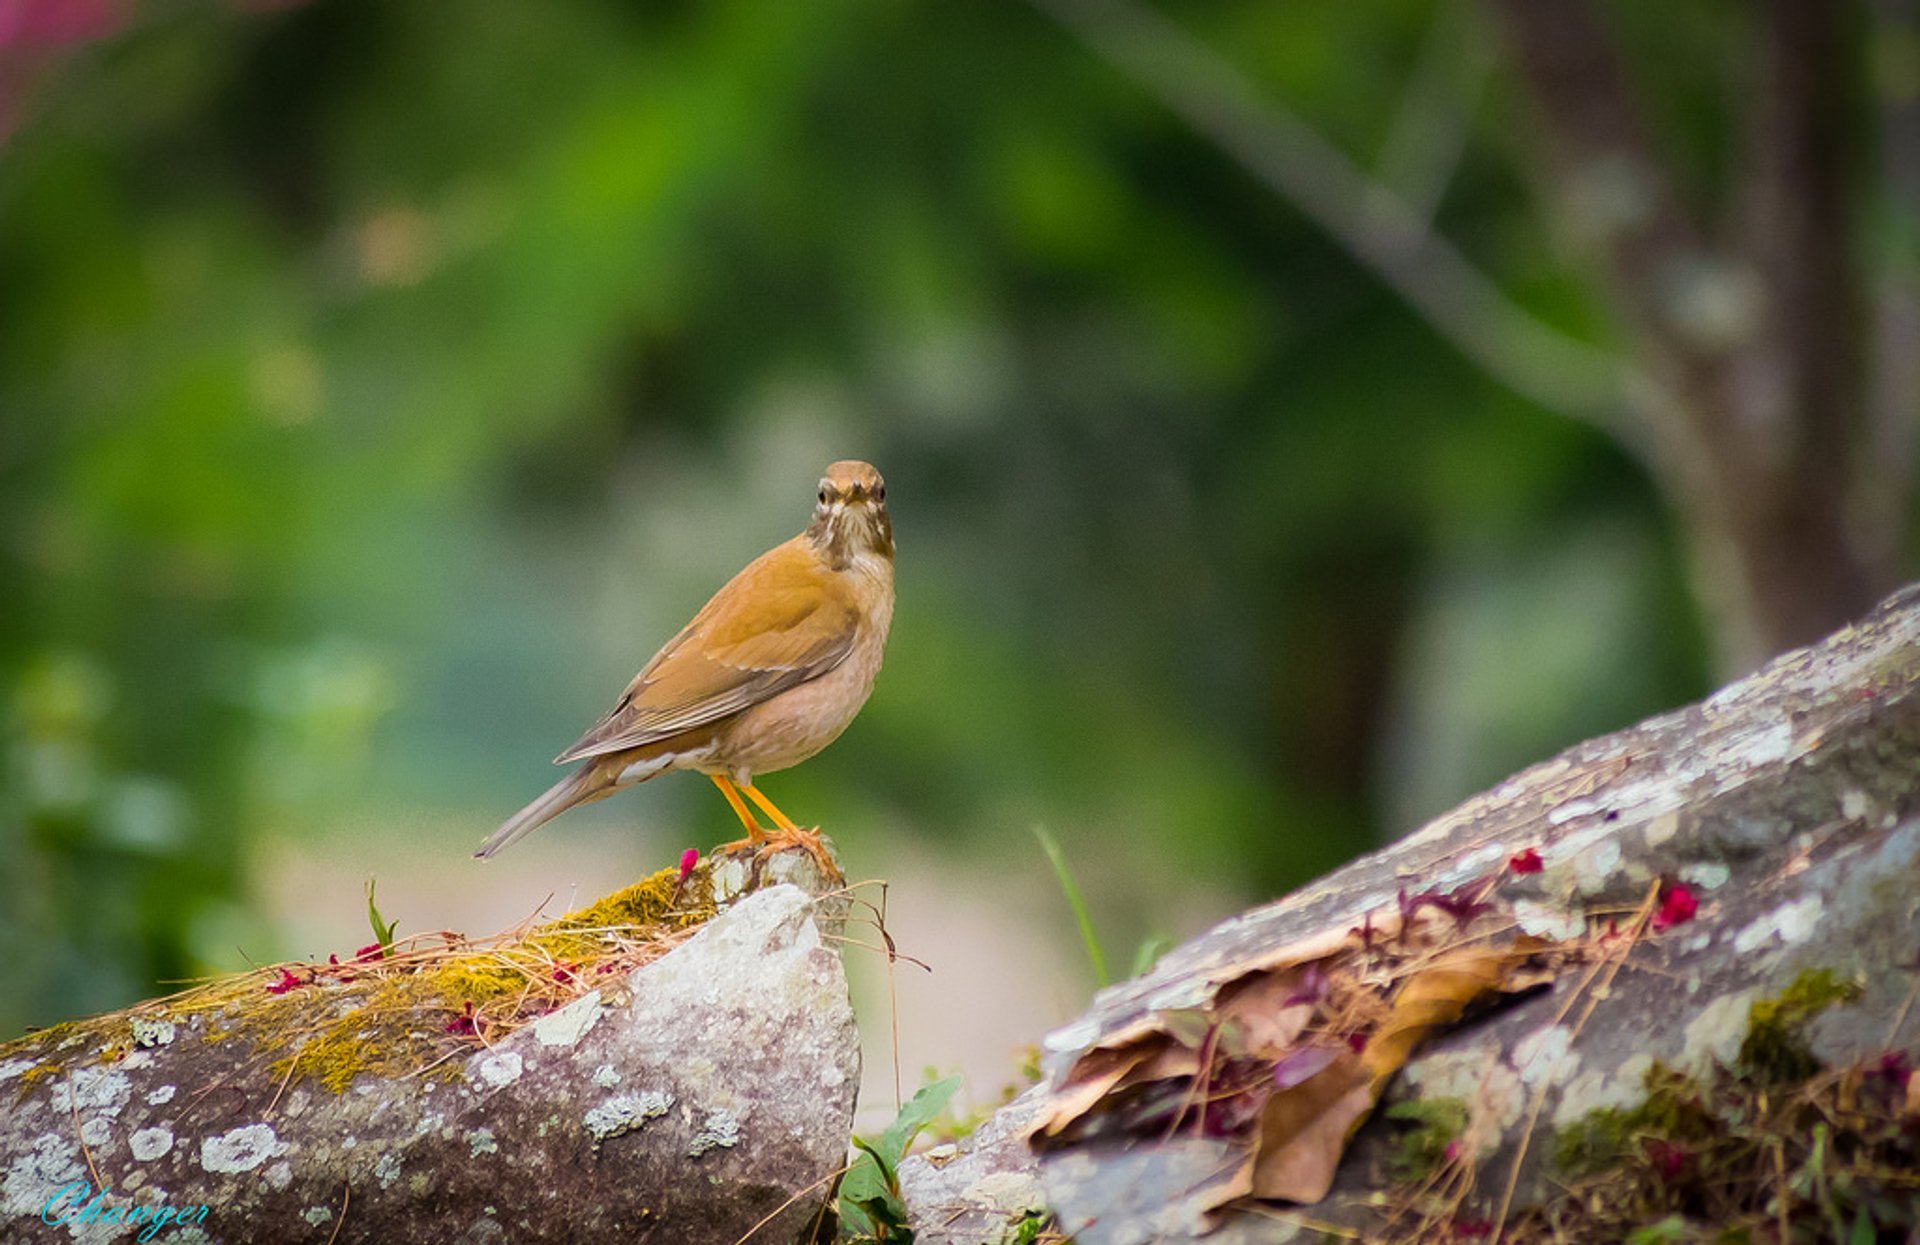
x,y
850,516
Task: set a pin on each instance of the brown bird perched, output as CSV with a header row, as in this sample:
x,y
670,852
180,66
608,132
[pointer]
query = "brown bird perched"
x,y
769,672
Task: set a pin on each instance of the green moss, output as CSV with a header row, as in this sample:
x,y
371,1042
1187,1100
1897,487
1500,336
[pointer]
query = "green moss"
x,y
37,1073
1033,1227
1730,1154
1672,1111
654,903
1775,1051
399,1016
1437,1122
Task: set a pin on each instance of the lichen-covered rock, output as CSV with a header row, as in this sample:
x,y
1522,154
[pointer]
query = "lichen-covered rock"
x,y
1784,811
685,1102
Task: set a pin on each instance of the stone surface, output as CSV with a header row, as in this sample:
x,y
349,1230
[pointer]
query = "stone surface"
x,y
1789,802
971,1195
685,1104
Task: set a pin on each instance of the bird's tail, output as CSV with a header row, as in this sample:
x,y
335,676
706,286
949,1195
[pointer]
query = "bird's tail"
x,y
590,782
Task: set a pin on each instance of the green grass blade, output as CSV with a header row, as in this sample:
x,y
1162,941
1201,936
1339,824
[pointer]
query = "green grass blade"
x,y
1058,860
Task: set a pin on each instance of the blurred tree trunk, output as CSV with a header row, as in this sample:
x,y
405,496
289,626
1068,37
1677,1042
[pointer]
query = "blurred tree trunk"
x,y
1785,455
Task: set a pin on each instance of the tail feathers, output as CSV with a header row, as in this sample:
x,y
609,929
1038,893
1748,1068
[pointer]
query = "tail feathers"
x,y
585,785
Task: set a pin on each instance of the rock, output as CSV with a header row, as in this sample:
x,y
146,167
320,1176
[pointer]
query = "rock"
x,y
988,1183
1787,807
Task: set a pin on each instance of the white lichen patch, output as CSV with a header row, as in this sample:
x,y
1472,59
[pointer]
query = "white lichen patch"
x,y
92,1089
571,1023
606,1076
1593,869
1546,1057
149,1144
1567,810
387,1169
498,1068
1660,829
626,1112
1493,1093
317,1215
50,1164
97,1131
1009,1193
279,1176
1709,875
152,1031
1590,1091
162,1096
10,1068
1715,1034
722,1128
241,1149
480,1141
1545,921
1792,923
1759,748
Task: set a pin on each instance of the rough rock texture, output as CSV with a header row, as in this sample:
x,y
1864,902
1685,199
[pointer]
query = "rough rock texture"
x,y
968,1194
1789,803
684,1103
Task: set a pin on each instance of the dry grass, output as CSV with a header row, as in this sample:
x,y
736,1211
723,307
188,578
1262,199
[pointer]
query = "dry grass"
x,y
418,1006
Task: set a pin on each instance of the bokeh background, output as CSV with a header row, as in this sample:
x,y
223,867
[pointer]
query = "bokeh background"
x,y
1296,417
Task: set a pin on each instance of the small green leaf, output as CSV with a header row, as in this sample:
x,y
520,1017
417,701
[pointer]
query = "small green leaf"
x,y
1863,1230
382,928
1148,953
888,1171
870,1204
1672,1228
920,1111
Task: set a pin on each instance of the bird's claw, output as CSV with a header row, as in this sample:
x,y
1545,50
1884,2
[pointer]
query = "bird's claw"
x,y
763,843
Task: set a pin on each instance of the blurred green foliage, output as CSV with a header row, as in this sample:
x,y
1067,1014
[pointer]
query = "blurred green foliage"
x,y
380,383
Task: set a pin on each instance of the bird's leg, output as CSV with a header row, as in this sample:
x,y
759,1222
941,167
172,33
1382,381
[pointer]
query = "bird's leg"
x,y
766,806
792,835
756,837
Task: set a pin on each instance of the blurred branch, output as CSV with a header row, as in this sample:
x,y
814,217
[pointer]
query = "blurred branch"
x,y
1374,223
1429,132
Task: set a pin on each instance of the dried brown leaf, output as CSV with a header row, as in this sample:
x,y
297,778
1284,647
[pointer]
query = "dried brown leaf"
x,y
1435,996
1093,1077
1264,1013
1304,1131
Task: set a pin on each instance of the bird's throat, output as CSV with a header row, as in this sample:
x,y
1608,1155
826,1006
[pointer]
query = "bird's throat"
x,y
843,535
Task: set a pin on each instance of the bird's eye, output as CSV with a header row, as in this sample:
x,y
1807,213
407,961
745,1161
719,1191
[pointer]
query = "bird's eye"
x,y
880,492
823,497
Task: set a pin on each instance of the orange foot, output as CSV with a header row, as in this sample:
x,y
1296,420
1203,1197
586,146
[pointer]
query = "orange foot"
x,y
807,841
757,841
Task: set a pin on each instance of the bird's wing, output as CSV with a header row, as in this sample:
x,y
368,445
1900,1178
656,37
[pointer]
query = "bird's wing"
x,y
783,620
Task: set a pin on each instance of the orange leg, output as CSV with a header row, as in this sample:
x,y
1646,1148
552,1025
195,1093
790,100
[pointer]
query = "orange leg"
x,y
766,806
756,837
792,835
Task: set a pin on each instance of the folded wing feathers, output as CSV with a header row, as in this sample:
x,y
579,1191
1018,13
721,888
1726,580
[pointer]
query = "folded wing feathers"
x,y
729,659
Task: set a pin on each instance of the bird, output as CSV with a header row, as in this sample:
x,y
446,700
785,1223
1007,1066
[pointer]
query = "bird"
x,y
770,671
